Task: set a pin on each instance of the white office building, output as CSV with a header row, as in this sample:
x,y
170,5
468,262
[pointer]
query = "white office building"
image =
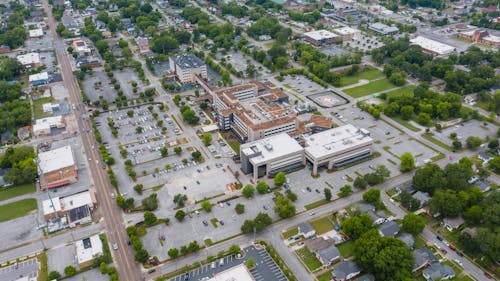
x,y
187,66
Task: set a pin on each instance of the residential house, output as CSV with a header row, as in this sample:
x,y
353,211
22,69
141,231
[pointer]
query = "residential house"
x,y
485,156
437,271
365,277
422,257
408,239
453,223
389,229
423,197
485,186
377,217
317,243
346,270
328,255
306,230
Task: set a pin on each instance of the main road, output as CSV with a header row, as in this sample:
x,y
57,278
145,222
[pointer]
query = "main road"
x,y
113,222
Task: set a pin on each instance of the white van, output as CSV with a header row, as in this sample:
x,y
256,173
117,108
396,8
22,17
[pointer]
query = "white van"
x,y
221,263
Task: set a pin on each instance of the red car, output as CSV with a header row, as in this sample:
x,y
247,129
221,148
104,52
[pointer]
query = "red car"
x,y
452,247
488,275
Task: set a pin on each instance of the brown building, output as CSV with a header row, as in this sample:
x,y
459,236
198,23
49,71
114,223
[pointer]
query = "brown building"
x,y
57,168
481,36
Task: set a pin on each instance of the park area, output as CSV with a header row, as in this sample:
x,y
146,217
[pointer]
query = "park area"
x,y
369,73
17,209
370,88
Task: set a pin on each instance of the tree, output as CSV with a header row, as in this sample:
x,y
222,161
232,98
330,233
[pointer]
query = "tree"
x,y
141,255
429,178
386,258
248,226
196,155
359,182
250,263
407,162
150,218
149,203
372,195
494,164
262,220
262,187
69,270
279,179
473,142
407,112
180,215
138,188
248,191
173,253
488,242
345,190
446,202
178,150
193,246
355,226
328,194
458,175
239,208
138,130
457,145
408,201
180,200
493,144
206,139
55,275
284,207
413,223
207,206
234,249
474,214
163,152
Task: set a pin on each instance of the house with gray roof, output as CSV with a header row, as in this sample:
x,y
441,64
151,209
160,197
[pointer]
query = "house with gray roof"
x,y
346,270
389,229
408,239
423,197
485,186
306,230
377,217
366,207
317,243
437,271
453,223
422,258
328,255
365,277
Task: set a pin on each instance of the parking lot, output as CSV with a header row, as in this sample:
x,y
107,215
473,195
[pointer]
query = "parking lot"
x,y
237,59
125,77
98,85
265,269
471,128
302,84
28,268
60,257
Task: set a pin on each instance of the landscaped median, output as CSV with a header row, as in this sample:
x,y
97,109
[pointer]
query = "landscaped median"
x,y
17,209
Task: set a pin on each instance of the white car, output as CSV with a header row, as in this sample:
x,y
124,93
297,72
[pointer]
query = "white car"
x,y
115,246
113,196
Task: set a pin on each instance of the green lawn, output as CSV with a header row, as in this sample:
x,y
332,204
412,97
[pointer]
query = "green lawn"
x,y
405,90
290,232
346,249
429,137
18,190
17,209
308,258
316,204
235,146
369,73
370,88
322,225
37,107
327,276
419,242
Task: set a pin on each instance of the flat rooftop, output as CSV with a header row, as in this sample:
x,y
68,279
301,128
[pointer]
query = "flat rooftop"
x,y
236,273
187,60
76,200
382,28
271,148
335,140
346,30
320,34
56,159
88,248
432,45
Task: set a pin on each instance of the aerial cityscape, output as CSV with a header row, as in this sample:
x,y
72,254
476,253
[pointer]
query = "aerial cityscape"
x,y
257,140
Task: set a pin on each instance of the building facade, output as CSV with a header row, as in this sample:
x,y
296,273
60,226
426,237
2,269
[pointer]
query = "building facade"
x,y
58,167
187,66
320,38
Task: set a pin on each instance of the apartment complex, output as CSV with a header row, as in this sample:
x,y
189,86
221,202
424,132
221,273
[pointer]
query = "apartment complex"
x,y
253,111
186,67
331,148
58,167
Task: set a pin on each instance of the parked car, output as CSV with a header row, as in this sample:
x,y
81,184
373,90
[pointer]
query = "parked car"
x,y
115,246
205,223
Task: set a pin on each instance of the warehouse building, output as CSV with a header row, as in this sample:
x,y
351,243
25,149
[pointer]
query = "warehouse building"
x,y
432,47
58,167
383,29
87,250
337,147
187,66
30,60
271,155
320,38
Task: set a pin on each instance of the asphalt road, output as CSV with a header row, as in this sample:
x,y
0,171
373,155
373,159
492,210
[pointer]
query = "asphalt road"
x,y
127,268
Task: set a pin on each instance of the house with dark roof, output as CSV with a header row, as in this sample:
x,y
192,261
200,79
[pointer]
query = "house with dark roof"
x,y
366,207
485,156
365,277
346,270
317,243
377,217
485,186
422,258
408,239
437,271
328,255
389,229
306,230
453,223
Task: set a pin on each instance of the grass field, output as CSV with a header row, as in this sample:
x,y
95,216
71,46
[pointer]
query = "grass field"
x,y
405,90
322,225
346,249
37,107
316,204
17,209
309,259
369,73
327,276
290,232
18,190
429,137
370,88
235,146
